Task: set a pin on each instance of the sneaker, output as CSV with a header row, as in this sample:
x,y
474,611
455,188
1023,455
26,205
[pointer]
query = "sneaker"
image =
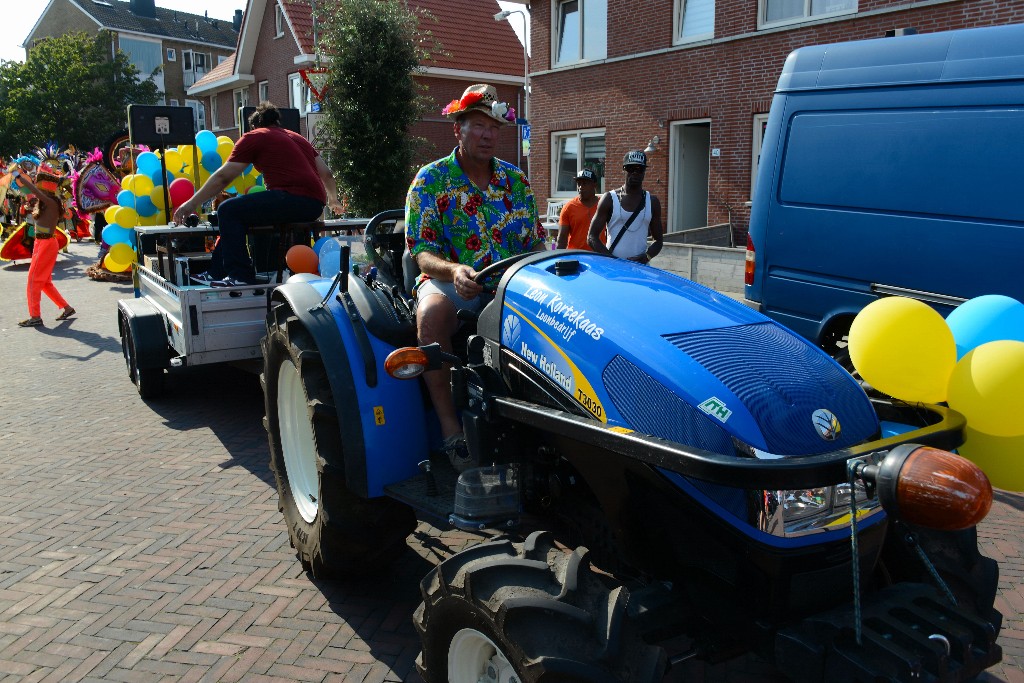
x,y
203,278
458,453
231,282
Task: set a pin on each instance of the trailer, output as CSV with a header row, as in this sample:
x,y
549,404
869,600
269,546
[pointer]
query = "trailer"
x,y
175,321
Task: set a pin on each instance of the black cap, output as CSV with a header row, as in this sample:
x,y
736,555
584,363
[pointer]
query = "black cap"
x,y
635,158
586,174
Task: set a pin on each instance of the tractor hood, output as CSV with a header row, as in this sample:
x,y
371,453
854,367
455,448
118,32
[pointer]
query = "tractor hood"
x,y
643,349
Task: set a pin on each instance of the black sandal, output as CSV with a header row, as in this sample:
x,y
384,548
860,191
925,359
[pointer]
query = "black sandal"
x,y
31,322
66,313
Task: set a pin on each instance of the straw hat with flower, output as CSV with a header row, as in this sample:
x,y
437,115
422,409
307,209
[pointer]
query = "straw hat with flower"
x,y
482,98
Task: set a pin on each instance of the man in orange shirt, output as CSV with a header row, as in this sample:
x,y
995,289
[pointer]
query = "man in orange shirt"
x,y
574,220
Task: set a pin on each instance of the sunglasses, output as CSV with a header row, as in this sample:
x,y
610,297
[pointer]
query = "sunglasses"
x,y
634,169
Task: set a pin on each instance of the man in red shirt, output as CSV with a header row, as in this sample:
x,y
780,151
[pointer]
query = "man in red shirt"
x,y
574,219
298,184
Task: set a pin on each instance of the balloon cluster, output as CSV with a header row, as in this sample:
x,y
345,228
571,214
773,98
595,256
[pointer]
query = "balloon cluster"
x,y
973,360
141,200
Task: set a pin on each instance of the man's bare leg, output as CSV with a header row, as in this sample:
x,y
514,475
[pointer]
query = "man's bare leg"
x,y
436,321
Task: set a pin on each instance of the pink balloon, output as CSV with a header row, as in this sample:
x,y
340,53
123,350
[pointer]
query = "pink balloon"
x,y
180,191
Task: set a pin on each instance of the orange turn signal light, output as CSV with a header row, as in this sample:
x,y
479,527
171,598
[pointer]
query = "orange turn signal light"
x,y
931,487
406,363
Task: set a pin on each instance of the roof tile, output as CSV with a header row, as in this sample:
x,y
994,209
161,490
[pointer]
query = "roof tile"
x,y
117,16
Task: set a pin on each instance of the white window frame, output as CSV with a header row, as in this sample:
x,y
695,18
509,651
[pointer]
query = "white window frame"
x,y
173,103
556,32
762,13
581,135
756,142
307,96
680,19
199,111
239,99
279,21
264,90
172,54
214,125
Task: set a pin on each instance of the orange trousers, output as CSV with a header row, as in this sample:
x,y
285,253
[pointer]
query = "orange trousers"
x,y
40,276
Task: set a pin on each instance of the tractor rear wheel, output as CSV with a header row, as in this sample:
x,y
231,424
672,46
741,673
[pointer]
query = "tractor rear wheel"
x,y
334,531
530,612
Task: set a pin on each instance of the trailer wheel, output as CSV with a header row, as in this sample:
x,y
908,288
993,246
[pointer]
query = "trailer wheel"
x,y
532,611
334,531
148,381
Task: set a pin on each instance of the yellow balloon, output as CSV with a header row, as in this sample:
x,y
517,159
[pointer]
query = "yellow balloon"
x,y
109,214
115,266
987,387
1001,458
903,348
186,152
126,217
224,149
122,252
126,182
221,139
157,196
141,185
174,161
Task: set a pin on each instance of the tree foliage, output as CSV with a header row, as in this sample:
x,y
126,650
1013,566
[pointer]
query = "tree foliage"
x,y
69,91
374,48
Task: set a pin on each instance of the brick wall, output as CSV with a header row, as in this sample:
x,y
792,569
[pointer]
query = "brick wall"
x,y
727,80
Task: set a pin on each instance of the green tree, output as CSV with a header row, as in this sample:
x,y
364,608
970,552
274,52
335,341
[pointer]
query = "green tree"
x,y
374,47
69,91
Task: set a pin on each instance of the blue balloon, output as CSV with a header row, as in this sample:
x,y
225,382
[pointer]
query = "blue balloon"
x,y
330,257
126,198
147,163
206,141
115,234
984,319
144,206
318,245
211,161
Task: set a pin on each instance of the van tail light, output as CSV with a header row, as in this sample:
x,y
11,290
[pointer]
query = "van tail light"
x,y
748,267
930,487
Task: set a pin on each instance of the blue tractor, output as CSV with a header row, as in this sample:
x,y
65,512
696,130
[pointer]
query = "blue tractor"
x,y
655,460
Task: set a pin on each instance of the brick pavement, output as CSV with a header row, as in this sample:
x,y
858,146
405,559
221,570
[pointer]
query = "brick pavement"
x,y
142,542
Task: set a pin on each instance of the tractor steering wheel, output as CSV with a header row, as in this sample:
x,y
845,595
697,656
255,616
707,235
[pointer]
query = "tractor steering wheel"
x,y
501,266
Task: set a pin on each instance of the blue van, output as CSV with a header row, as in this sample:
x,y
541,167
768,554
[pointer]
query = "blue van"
x,y
890,167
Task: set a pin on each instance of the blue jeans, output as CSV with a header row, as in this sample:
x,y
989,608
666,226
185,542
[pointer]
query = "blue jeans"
x,y
231,258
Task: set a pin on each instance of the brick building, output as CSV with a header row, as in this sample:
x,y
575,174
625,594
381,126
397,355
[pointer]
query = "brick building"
x,y
176,48
277,40
698,76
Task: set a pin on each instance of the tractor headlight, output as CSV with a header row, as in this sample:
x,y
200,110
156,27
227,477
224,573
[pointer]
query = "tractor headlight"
x,y
802,503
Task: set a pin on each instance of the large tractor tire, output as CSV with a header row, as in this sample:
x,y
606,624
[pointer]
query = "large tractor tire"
x,y
529,612
334,532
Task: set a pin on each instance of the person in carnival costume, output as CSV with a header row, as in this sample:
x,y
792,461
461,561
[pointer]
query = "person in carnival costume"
x,y
47,212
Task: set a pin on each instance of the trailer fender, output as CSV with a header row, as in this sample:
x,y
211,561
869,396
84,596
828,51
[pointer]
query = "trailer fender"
x,y
148,331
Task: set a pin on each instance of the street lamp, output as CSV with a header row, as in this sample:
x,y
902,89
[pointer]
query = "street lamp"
x,y
502,16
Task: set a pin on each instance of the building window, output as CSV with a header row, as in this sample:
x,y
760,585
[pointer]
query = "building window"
x,y
696,20
199,111
213,113
760,124
264,91
298,94
145,55
220,59
788,11
172,55
582,30
173,103
574,151
241,99
278,21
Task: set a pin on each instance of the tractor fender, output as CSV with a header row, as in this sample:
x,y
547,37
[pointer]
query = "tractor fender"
x,y
304,302
148,332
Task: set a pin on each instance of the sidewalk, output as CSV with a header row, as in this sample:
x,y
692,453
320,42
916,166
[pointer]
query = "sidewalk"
x,y
142,542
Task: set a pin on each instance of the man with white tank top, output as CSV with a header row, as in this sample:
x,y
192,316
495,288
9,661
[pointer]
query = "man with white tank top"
x,y
627,234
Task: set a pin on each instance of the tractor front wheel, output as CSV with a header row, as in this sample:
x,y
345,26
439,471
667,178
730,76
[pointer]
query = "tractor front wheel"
x,y
529,612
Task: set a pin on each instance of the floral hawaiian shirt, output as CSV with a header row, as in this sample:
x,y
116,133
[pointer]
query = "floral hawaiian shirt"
x,y
446,214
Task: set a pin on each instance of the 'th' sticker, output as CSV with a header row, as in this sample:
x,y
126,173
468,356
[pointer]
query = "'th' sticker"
x,y
378,415
716,409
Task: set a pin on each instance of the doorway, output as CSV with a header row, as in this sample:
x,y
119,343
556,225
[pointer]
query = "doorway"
x,y
689,163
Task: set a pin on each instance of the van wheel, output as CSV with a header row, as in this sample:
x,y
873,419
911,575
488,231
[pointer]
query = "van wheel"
x,y
334,531
836,343
530,612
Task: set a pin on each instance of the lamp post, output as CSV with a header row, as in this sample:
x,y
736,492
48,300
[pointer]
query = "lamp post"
x,y
502,16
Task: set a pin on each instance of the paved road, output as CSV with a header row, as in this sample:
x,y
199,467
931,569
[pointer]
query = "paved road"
x,y
142,542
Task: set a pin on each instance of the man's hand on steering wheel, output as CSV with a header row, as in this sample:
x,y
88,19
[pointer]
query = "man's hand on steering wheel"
x,y
466,286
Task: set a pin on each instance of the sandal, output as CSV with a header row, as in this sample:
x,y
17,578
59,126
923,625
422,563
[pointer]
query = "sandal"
x,y
31,322
66,313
